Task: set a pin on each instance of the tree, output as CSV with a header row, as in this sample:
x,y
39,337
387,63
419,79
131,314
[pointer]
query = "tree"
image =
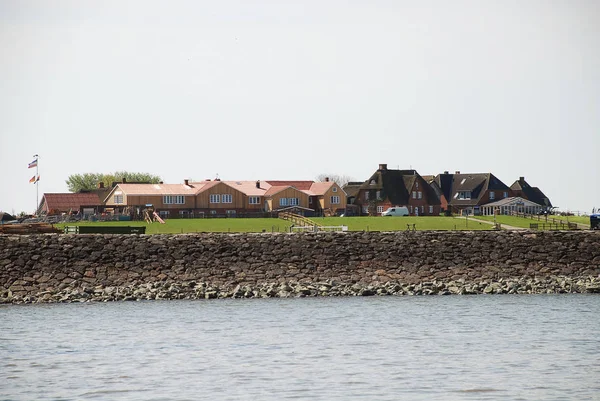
x,y
341,180
89,181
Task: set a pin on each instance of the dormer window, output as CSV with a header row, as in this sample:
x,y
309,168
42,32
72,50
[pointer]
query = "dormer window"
x,y
373,182
462,195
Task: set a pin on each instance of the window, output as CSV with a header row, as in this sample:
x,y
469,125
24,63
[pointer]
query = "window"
x,y
215,198
335,200
365,209
226,198
254,200
310,200
173,199
293,201
462,195
414,194
379,209
430,209
366,195
378,195
420,195
230,213
283,202
334,189
164,214
213,212
506,194
492,195
118,199
422,209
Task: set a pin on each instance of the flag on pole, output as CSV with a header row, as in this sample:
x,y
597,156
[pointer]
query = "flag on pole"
x,y
32,179
33,164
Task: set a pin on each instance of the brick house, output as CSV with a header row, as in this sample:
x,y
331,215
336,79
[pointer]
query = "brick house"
x,y
466,193
386,188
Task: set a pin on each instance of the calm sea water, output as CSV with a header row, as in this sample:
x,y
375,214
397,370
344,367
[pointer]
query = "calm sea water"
x,y
378,348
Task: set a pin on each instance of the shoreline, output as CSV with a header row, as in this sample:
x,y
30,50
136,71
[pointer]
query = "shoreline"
x,y
203,291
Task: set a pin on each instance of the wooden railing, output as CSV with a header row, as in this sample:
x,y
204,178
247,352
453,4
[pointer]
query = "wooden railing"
x,y
298,220
550,220
553,226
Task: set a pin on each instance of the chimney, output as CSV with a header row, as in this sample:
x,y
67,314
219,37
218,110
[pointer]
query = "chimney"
x,y
326,179
383,167
521,179
100,185
257,183
446,172
187,182
160,182
124,180
457,172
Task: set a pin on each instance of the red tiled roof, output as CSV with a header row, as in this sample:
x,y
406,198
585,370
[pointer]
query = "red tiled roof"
x,y
301,185
69,201
158,189
249,187
276,189
319,188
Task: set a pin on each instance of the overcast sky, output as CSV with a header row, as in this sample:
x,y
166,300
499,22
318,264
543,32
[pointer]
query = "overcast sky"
x,y
292,89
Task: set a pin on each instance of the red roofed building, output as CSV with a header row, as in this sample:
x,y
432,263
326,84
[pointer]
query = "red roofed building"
x,y
69,203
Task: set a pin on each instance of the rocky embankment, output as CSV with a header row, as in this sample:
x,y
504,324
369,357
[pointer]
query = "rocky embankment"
x,y
75,268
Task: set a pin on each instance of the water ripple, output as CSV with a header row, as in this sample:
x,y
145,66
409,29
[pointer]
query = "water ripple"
x,y
418,348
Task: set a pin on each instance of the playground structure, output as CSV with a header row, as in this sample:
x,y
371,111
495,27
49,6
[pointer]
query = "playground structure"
x,y
150,216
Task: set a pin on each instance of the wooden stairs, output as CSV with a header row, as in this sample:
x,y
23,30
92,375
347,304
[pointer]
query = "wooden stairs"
x,y
298,220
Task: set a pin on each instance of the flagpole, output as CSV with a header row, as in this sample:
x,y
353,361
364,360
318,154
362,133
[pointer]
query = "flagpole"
x,y
37,185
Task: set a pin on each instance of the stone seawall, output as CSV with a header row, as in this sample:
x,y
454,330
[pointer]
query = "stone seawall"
x,y
64,268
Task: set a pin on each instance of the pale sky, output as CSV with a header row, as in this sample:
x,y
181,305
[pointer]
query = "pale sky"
x,y
292,89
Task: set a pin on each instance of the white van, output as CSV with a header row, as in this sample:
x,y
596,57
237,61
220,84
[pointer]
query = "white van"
x,y
396,211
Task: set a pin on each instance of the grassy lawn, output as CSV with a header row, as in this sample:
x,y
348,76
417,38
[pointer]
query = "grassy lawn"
x,y
381,223
525,222
236,225
180,226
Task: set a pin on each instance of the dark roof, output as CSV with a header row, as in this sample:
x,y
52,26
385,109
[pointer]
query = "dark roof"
x,y
69,201
396,184
6,216
352,188
476,183
528,192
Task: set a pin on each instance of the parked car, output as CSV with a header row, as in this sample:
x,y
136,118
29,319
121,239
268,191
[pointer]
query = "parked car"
x,y
396,211
595,221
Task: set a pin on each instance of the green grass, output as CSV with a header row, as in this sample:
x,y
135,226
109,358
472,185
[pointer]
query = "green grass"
x,y
381,223
525,222
237,225
572,219
181,226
